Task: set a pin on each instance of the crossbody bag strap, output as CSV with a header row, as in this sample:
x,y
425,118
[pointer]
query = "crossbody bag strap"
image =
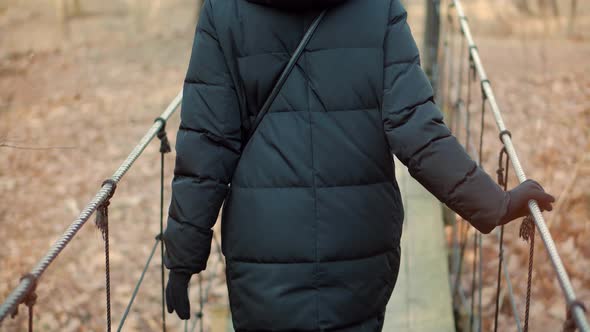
x,y
285,74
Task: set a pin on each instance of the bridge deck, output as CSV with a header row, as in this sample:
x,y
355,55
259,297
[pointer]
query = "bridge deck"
x,y
421,300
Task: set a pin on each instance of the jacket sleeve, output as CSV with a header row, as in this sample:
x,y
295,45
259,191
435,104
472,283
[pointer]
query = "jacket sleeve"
x,y
419,138
208,147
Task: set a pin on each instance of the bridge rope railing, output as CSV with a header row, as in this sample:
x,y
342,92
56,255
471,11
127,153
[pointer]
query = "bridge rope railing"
x,y
25,291
458,44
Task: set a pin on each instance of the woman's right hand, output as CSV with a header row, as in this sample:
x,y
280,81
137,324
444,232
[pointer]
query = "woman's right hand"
x,y
519,199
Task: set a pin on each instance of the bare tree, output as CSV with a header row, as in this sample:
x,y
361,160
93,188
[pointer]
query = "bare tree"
x,y
548,6
65,10
538,7
523,6
572,19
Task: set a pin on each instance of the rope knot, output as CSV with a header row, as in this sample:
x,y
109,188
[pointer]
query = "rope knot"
x,y
102,222
570,323
102,211
30,297
163,137
527,228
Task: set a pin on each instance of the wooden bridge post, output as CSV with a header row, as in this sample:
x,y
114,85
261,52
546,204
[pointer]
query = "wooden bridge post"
x,y
431,41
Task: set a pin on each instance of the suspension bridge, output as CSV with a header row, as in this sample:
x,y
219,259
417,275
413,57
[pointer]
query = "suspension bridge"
x,y
430,293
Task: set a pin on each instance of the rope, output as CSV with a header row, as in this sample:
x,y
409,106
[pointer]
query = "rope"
x,y
467,137
29,299
459,103
164,148
577,313
163,137
480,283
503,182
102,222
472,312
527,232
480,162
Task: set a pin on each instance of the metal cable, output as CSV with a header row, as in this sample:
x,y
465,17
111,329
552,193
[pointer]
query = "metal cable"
x,y
562,275
138,284
19,292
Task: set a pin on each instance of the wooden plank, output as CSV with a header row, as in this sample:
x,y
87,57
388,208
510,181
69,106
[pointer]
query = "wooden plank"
x,y
421,300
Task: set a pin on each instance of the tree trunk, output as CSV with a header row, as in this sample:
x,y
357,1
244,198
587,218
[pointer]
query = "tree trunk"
x,y
523,7
548,6
432,41
554,7
572,18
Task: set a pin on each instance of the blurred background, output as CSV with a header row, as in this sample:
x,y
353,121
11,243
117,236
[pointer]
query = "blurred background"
x,y
81,81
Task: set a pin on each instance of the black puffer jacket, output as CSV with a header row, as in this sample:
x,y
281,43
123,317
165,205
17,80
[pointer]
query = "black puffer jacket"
x,y
313,217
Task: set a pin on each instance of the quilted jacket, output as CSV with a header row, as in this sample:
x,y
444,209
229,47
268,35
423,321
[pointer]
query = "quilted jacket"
x,y
312,214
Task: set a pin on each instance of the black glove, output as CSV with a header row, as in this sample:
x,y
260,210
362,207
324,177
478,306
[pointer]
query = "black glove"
x,y
177,294
519,199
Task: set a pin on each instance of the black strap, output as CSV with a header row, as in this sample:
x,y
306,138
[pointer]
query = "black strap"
x,y
285,74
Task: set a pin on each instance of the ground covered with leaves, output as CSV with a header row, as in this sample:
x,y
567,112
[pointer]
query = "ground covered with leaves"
x,y
74,101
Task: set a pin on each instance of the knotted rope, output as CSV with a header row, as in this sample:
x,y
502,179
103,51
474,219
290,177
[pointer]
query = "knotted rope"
x,y
164,148
102,222
503,182
527,233
29,299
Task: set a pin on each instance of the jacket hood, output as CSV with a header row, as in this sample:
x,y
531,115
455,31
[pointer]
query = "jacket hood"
x,y
297,4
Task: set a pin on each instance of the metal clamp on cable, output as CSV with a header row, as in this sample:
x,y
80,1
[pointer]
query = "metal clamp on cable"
x,y
164,143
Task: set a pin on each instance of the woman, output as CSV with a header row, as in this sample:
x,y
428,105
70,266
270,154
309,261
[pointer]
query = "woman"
x,y
313,218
